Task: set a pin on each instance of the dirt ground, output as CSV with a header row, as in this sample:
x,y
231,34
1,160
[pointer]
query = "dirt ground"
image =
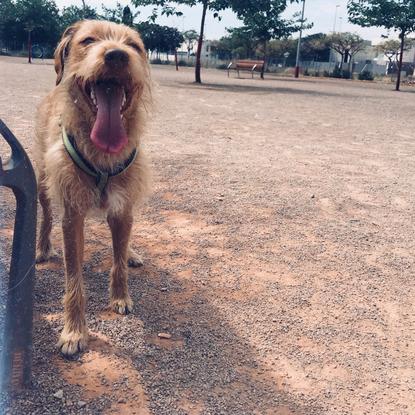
x,y
279,255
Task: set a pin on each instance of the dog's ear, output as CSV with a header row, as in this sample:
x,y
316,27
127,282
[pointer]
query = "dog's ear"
x,y
62,51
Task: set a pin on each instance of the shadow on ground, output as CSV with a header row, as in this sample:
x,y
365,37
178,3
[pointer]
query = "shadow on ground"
x,y
206,367
257,89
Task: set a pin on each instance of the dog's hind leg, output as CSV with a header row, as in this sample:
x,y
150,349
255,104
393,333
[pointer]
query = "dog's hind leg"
x,y
134,259
44,245
74,336
120,226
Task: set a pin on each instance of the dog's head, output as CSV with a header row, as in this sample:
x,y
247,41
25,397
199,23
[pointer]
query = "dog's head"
x,y
104,65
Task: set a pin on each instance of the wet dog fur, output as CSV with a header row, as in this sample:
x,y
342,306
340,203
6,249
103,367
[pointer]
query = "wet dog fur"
x,y
79,62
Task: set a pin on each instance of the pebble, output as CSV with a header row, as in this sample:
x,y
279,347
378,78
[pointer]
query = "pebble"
x,y
164,335
58,394
81,404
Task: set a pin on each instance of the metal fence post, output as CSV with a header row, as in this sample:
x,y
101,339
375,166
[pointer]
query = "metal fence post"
x,y
16,360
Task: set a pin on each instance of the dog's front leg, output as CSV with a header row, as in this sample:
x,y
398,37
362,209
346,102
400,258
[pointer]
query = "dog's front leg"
x,y
120,225
74,336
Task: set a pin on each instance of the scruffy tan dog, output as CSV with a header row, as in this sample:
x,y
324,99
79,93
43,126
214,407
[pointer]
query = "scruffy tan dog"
x,y
89,156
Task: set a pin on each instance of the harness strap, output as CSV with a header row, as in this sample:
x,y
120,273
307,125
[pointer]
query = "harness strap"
x,y
101,177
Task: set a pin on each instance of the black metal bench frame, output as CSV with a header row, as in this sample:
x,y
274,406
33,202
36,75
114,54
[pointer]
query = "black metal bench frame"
x,y
16,359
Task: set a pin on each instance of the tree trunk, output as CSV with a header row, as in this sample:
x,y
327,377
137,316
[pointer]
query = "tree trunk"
x,y
29,46
350,67
175,59
265,59
198,79
398,79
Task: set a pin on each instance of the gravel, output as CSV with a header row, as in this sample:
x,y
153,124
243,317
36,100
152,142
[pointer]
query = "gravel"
x,y
278,249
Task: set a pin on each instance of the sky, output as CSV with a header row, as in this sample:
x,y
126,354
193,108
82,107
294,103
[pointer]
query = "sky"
x,y
322,13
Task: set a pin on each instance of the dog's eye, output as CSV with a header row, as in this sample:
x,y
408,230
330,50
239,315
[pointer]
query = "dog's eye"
x,y
88,41
135,47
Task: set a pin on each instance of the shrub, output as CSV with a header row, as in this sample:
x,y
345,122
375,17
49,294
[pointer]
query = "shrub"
x,y
366,76
306,73
222,66
337,72
346,74
340,73
156,61
182,62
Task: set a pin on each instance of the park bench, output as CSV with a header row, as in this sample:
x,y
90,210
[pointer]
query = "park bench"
x,y
246,65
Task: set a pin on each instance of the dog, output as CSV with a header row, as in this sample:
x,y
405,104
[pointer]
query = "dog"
x,y
88,157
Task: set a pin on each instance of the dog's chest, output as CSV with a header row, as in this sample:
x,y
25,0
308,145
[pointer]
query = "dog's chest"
x,y
112,201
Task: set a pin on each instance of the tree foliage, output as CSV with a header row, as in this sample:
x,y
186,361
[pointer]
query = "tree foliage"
x,y
119,14
391,14
264,18
391,48
346,44
39,17
238,44
166,7
190,37
316,48
72,14
159,38
398,15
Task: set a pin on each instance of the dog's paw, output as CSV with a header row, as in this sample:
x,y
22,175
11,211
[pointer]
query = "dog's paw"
x,y
72,342
44,256
122,305
134,260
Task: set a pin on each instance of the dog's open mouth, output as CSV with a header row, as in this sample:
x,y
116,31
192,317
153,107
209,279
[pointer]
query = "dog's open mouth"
x,y
109,99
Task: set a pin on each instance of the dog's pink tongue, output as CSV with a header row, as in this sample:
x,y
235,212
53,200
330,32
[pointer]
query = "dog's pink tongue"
x,y
108,133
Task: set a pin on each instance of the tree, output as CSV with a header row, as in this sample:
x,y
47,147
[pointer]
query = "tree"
x,y
119,14
398,15
237,44
347,45
167,8
7,12
32,20
392,49
263,18
159,38
284,49
190,37
72,14
315,48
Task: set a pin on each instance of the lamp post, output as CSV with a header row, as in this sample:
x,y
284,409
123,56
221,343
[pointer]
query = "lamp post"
x,y
297,60
335,18
332,55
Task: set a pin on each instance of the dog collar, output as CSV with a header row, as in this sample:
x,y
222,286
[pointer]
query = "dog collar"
x,y
101,176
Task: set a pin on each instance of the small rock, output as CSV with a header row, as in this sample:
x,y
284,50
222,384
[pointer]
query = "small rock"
x,y
164,335
313,196
122,400
163,289
81,404
58,394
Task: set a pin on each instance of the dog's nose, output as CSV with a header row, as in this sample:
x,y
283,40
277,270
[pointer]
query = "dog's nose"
x,y
116,57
